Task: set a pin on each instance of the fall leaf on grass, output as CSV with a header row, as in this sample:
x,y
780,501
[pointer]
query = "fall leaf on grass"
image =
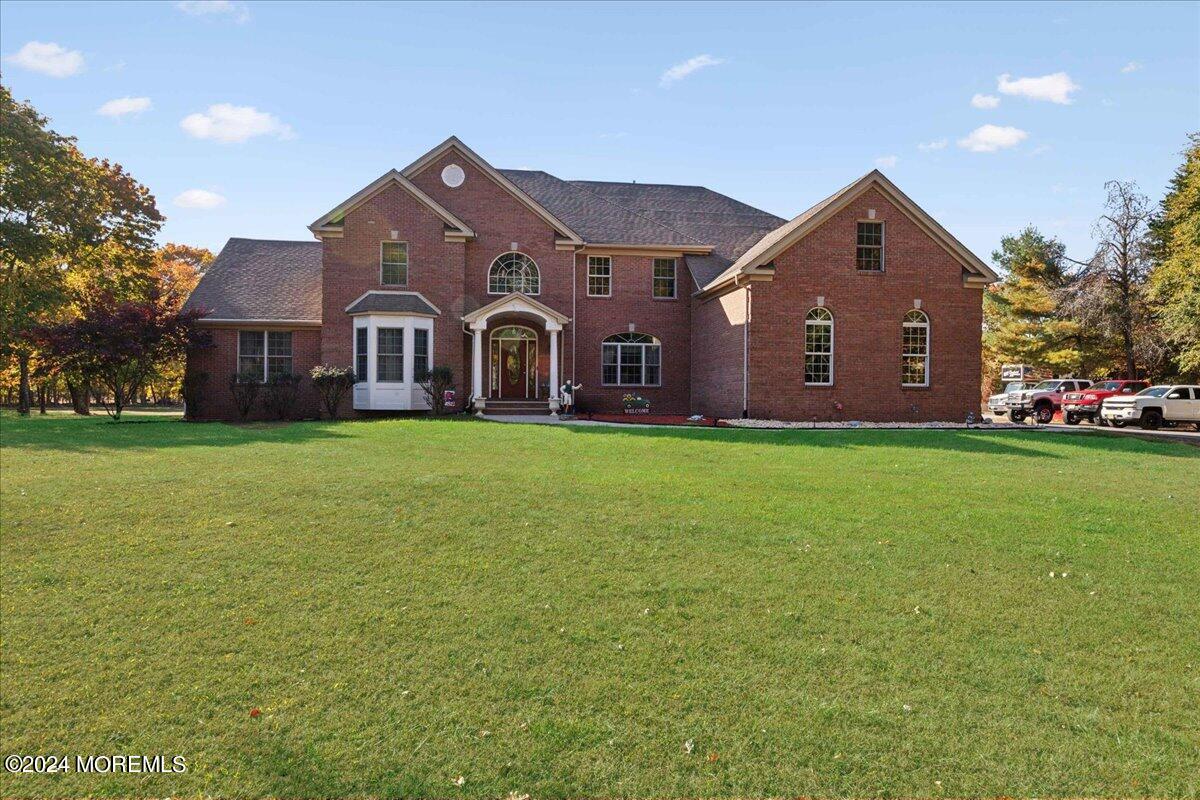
x,y
459,781
689,746
712,757
255,713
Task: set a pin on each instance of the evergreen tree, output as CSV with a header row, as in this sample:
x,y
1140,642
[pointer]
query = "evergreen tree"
x,y
1174,284
1022,323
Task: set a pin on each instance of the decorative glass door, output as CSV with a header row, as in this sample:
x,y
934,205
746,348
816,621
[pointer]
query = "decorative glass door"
x,y
514,351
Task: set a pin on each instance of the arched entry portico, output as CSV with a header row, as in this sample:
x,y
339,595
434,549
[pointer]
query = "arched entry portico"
x,y
513,311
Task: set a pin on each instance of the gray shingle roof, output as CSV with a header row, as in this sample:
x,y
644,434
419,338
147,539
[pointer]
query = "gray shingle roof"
x,y
730,226
592,216
253,279
392,302
259,279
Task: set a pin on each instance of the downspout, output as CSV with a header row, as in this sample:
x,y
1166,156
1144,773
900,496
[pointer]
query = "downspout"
x,y
574,319
745,356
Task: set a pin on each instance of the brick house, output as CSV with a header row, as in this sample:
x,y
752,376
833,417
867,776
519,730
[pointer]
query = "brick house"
x,y
519,281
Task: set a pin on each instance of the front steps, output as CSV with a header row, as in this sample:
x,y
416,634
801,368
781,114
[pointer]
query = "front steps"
x,y
523,408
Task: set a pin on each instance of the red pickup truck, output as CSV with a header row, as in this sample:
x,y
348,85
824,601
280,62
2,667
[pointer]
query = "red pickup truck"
x,y
1086,404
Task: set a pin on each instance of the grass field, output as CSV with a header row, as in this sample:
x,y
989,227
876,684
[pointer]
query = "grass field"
x,y
557,611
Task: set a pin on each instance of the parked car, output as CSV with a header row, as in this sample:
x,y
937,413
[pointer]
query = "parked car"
x,y
1042,400
1086,404
998,403
1152,408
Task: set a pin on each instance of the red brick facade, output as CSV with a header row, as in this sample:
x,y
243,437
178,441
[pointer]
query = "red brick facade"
x,y
705,342
868,310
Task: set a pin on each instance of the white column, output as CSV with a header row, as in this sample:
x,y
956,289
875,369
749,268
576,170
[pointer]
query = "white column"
x,y
477,366
554,371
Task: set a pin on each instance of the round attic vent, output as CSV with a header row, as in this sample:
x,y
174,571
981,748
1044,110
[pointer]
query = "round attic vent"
x,y
453,176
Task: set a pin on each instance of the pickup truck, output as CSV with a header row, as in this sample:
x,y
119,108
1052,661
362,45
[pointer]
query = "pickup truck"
x,y
1086,404
1042,400
998,403
1152,408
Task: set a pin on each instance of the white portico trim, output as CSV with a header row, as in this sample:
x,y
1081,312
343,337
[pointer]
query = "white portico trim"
x,y
513,303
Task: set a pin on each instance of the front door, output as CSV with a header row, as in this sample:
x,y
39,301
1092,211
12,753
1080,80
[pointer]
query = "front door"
x,y
514,364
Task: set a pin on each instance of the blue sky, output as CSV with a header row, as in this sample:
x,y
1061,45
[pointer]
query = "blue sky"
x,y
253,119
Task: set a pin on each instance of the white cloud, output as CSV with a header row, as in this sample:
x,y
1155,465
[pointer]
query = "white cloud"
x,y
124,105
685,68
48,58
1132,66
990,138
1054,88
199,198
936,144
887,162
204,8
228,123
985,101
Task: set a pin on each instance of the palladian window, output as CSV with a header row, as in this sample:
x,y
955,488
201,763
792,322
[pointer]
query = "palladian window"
x,y
514,272
631,359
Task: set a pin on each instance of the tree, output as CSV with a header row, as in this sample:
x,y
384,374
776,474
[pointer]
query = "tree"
x,y
177,270
435,383
71,229
1173,287
332,384
1111,284
118,344
1021,313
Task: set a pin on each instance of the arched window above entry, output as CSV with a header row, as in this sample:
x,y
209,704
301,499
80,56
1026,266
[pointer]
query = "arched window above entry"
x,y
914,369
514,272
818,347
631,359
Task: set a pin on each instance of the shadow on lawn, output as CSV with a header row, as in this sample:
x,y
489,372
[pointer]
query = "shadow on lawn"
x,y
84,434
1027,444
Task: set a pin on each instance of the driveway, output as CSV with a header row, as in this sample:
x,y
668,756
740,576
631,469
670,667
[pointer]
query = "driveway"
x,y
1188,435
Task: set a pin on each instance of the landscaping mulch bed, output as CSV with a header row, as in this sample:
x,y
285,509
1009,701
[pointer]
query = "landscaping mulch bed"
x,y
657,419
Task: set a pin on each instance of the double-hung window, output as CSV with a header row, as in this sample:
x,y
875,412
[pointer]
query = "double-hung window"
x,y
360,354
631,359
599,276
264,354
389,355
420,353
393,263
664,279
869,255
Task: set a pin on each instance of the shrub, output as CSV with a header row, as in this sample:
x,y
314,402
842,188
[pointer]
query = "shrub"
x,y
332,385
245,388
193,390
281,394
436,382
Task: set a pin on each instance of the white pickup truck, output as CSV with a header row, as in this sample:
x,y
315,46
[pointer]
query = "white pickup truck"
x,y
1153,407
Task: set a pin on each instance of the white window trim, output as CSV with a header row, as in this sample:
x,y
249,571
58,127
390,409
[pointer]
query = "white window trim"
x,y
928,348
407,262
510,291
882,245
674,279
266,352
832,345
373,322
656,343
589,275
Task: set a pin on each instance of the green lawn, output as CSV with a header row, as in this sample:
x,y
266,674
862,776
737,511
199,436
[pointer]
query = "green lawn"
x,y
556,611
